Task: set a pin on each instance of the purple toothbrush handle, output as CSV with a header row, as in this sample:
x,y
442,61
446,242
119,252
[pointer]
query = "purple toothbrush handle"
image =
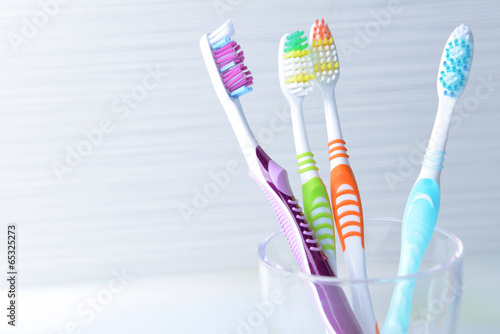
x,y
332,302
335,309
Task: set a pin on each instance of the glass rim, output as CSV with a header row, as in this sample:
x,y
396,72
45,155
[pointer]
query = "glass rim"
x,y
455,260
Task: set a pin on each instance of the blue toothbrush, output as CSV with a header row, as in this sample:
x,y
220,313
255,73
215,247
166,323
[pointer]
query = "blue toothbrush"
x,y
422,207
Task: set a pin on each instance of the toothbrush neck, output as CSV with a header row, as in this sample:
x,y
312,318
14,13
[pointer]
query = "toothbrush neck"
x,y
305,158
299,127
429,172
439,134
242,130
332,118
434,155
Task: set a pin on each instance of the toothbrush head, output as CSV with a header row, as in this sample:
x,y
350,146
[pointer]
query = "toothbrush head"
x,y
295,67
324,54
456,62
224,59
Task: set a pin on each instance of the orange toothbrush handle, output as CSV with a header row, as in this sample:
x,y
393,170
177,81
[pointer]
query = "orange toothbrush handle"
x,y
346,204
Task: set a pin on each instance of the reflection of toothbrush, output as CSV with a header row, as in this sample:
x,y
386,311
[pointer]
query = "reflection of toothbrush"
x,y
422,207
295,75
231,79
346,202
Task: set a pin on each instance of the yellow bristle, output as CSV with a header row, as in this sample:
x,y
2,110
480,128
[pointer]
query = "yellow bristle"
x,y
300,78
296,53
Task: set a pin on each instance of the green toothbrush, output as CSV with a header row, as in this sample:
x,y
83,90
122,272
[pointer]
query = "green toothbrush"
x,y
296,74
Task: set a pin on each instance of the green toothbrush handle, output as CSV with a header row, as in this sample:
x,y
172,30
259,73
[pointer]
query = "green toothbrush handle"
x,y
317,207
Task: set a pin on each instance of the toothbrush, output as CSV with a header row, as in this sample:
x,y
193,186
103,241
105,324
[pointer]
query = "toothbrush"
x,y
231,79
422,207
346,201
295,76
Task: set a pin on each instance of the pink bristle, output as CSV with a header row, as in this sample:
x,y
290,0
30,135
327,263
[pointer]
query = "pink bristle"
x,y
234,79
228,46
232,72
238,75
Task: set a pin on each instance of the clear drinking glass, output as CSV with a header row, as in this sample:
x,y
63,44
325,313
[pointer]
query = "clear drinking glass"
x,y
438,285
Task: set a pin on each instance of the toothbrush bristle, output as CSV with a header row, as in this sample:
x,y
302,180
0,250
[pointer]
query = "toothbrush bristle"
x,y
457,58
324,53
298,69
229,59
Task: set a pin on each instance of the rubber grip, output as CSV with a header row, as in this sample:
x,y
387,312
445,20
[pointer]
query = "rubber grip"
x,y
419,221
342,182
319,213
313,191
288,227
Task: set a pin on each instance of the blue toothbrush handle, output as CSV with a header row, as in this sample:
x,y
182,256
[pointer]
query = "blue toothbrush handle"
x,y
419,221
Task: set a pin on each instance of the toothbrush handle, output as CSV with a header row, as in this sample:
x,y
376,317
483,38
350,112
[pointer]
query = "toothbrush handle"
x,y
398,318
330,299
319,213
346,204
348,213
276,186
317,206
419,221
337,315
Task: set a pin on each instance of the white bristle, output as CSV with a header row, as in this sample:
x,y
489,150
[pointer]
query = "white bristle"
x,y
298,66
455,62
324,55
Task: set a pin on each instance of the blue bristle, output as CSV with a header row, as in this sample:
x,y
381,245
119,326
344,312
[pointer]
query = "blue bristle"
x,y
227,67
454,73
236,77
241,91
221,43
